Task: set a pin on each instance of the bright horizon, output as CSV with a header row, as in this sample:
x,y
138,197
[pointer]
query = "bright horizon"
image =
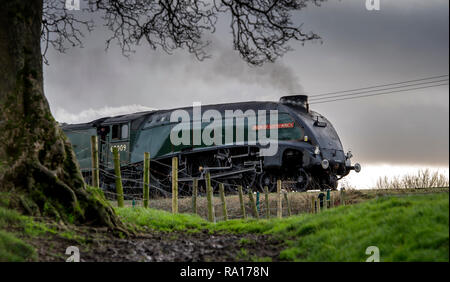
x,y
370,173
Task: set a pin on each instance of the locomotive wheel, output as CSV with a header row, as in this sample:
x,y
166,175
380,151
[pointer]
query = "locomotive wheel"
x,y
303,180
249,181
267,179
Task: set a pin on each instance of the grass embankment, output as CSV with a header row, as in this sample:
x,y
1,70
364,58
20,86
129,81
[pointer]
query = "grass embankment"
x,y
404,228
300,202
16,229
11,247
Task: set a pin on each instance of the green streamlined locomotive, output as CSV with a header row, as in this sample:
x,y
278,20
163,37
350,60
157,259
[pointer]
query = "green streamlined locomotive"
x,y
309,153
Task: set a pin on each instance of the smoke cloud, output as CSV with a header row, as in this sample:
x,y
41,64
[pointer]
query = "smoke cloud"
x,y
63,116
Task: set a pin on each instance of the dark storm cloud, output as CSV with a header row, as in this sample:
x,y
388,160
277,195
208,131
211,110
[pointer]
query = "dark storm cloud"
x,y
175,80
228,66
405,40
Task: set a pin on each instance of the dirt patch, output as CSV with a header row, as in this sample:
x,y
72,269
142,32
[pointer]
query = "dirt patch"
x,y
99,245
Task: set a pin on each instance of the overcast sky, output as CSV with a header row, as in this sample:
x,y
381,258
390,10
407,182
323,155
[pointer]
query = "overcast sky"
x,y
405,40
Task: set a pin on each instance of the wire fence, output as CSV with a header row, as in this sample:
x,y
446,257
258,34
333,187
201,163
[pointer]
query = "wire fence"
x,y
166,192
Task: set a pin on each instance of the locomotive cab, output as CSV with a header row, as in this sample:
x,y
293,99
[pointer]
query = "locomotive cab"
x,y
114,135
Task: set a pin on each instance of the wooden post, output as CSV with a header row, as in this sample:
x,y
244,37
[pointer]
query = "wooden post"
x,y
174,185
331,202
241,201
253,204
257,201
94,159
224,204
313,204
146,190
194,195
209,197
266,193
318,205
325,204
342,197
279,200
287,203
119,188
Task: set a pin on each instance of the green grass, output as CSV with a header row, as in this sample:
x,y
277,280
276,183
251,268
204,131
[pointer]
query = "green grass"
x,y
406,228
12,248
16,228
162,220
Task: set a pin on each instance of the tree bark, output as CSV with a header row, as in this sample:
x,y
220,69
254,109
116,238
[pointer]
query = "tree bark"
x,y
37,164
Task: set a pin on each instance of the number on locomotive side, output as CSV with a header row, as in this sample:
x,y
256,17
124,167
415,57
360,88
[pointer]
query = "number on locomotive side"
x,y
120,148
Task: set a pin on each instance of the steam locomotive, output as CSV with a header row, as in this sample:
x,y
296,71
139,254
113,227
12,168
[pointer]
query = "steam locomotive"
x,y
309,154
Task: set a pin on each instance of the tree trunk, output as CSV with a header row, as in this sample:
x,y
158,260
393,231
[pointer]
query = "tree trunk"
x,y
37,164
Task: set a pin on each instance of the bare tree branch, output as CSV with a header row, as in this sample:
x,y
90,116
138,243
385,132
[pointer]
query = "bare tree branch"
x,y
261,29
61,28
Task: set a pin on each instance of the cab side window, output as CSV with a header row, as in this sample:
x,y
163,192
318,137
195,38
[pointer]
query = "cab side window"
x,y
119,131
124,131
115,132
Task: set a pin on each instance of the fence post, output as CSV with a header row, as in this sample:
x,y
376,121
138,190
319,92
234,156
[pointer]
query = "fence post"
x,y
343,197
209,197
328,199
224,204
257,201
287,203
313,204
266,193
194,195
94,159
279,200
331,202
174,185
119,188
318,205
146,191
253,204
241,201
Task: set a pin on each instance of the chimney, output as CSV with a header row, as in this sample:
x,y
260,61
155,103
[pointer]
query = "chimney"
x,y
296,101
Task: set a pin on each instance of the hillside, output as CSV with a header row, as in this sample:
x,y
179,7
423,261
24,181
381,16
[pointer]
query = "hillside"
x,y
403,227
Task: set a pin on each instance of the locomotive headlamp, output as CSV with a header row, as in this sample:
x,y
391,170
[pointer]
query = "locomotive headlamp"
x,y
349,155
316,150
325,164
305,138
